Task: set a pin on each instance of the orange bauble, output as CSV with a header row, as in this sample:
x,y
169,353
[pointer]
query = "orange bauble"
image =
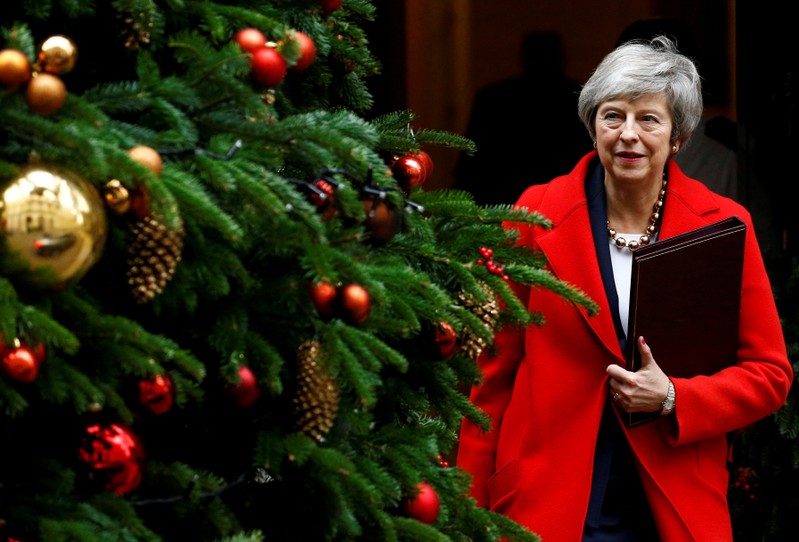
x,y
148,157
15,68
45,94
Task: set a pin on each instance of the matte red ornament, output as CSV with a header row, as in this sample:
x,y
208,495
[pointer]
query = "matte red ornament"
x,y
249,39
425,505
246,391
115,456
382,222
329,6
157,394
267,66
409,171
446,340
323,294
20,364
355,303
307,49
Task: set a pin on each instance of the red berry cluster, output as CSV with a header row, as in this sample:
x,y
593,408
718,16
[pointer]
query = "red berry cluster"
x,y
487,259
747,482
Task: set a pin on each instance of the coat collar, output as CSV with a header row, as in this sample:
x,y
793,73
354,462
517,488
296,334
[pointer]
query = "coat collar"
x,y
569,244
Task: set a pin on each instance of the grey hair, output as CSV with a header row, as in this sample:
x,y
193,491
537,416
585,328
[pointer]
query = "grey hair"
x,y
642,67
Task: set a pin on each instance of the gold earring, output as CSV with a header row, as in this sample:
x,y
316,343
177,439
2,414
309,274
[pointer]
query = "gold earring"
x,y
674,149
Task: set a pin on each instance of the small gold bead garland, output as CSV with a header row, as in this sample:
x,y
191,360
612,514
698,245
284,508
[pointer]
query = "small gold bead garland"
x,y
649,233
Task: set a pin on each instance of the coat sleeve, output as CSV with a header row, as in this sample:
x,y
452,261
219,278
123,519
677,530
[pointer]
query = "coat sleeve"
x,y
477,448
758,383
498,365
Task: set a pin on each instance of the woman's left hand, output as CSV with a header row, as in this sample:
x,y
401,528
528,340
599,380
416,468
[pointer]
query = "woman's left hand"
x,y
640,391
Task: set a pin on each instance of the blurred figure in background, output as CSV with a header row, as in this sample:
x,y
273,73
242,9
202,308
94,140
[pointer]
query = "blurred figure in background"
x,y
526,129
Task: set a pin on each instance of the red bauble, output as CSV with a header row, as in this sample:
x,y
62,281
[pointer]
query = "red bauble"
x,y
20,364
329,6
114,455
157,394
409,171
140,203
355,303
427,162
307,49
424,506
246,391
324,204
323,294
382,222
267,66
446,340
249,39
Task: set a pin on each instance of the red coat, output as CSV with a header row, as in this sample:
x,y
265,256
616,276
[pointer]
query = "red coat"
x,y
545,389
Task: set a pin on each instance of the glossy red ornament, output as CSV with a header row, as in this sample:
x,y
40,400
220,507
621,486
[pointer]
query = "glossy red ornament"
x,y
20,364
307,49
115,456
425,505
267,66
324,204
355,303
246,391
446,340
409,171
249,39
329,6
427,162
157,394
323,295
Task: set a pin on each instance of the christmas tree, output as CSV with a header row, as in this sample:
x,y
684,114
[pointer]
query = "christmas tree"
x,y
230,308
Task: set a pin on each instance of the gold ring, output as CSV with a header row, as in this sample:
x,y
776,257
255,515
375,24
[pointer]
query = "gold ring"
x,y
615,397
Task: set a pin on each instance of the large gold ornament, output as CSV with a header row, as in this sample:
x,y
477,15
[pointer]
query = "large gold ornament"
x,y
53,222
58,55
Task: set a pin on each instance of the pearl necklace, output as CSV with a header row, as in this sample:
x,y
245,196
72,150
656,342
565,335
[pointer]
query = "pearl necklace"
x,y
646,237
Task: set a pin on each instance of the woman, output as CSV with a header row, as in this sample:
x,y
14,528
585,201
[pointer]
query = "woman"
x,y
558,458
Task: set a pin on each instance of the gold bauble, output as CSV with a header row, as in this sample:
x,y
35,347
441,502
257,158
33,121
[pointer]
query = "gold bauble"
x,y
148,157
53,223
58,55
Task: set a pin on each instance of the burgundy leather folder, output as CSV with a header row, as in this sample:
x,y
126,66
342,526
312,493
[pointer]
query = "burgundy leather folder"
x,y
685,300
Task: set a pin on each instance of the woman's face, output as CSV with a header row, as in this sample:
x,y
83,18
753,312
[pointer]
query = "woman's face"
x,y
633,138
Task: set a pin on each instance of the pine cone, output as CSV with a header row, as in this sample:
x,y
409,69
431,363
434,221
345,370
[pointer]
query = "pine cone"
x,y
152,257
317,399
472,345
135,27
